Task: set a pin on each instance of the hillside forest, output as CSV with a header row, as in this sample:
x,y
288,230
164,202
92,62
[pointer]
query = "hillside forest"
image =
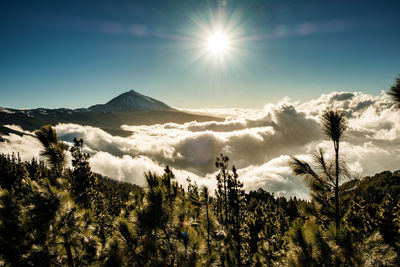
x,y
54,215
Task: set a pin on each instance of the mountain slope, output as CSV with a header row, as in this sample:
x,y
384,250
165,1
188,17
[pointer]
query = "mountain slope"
x,y
130,108
131,100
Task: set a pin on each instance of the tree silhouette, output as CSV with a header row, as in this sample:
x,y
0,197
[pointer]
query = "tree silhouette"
x,y
334,124
54,150
206,200
327,176
230,189
91,220
83,181
222,179
395,91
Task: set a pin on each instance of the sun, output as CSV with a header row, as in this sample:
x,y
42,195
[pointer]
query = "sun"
x,y
218,43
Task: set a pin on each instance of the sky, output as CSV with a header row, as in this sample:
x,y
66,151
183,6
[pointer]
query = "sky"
x,y
79,53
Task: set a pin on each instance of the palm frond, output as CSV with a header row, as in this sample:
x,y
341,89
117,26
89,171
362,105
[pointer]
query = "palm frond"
x,y
395,91
47,135
300,167
312,179
333,123
326,167
54,150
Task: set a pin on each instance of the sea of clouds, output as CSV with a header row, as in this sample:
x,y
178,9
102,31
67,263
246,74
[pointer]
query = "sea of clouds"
x,y
259,142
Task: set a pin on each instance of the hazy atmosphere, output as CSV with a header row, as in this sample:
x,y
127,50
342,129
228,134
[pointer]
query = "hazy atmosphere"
x,y
188,133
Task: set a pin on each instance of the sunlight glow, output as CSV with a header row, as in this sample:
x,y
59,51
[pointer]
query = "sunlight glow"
x,y
218,43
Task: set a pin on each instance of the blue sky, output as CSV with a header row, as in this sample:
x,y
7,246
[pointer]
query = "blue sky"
x,y
79,53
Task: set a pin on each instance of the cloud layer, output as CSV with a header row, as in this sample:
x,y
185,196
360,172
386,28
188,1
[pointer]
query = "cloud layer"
x,y
258,142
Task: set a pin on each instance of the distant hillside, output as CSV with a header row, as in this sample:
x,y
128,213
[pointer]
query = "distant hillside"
x,y
373,188
130,108
132,101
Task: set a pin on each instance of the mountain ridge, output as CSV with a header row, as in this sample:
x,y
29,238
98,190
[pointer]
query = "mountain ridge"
x,y
129,108
130,100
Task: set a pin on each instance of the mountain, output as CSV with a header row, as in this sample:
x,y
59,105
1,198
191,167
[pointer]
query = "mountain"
x,y
132,101
130,108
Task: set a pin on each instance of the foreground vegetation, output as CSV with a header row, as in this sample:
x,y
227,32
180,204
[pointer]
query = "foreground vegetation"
x,y
51,215
55,216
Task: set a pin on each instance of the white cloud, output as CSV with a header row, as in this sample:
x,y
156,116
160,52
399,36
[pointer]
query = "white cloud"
x,y
27,146
17,128
258,141
124,168
274,176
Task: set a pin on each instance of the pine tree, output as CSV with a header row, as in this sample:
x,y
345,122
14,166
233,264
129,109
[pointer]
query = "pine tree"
x,y
394,91
83,181
230,189
54,150
329,173
206,201
222,179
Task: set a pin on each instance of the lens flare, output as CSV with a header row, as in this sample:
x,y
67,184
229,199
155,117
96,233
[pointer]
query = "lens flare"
x,y
218,43
216,40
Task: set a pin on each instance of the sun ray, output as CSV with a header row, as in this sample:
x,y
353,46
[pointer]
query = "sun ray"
x,y
218,43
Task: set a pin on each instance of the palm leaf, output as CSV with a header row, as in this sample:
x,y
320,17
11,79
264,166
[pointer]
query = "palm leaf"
x,y
333,123
395,91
